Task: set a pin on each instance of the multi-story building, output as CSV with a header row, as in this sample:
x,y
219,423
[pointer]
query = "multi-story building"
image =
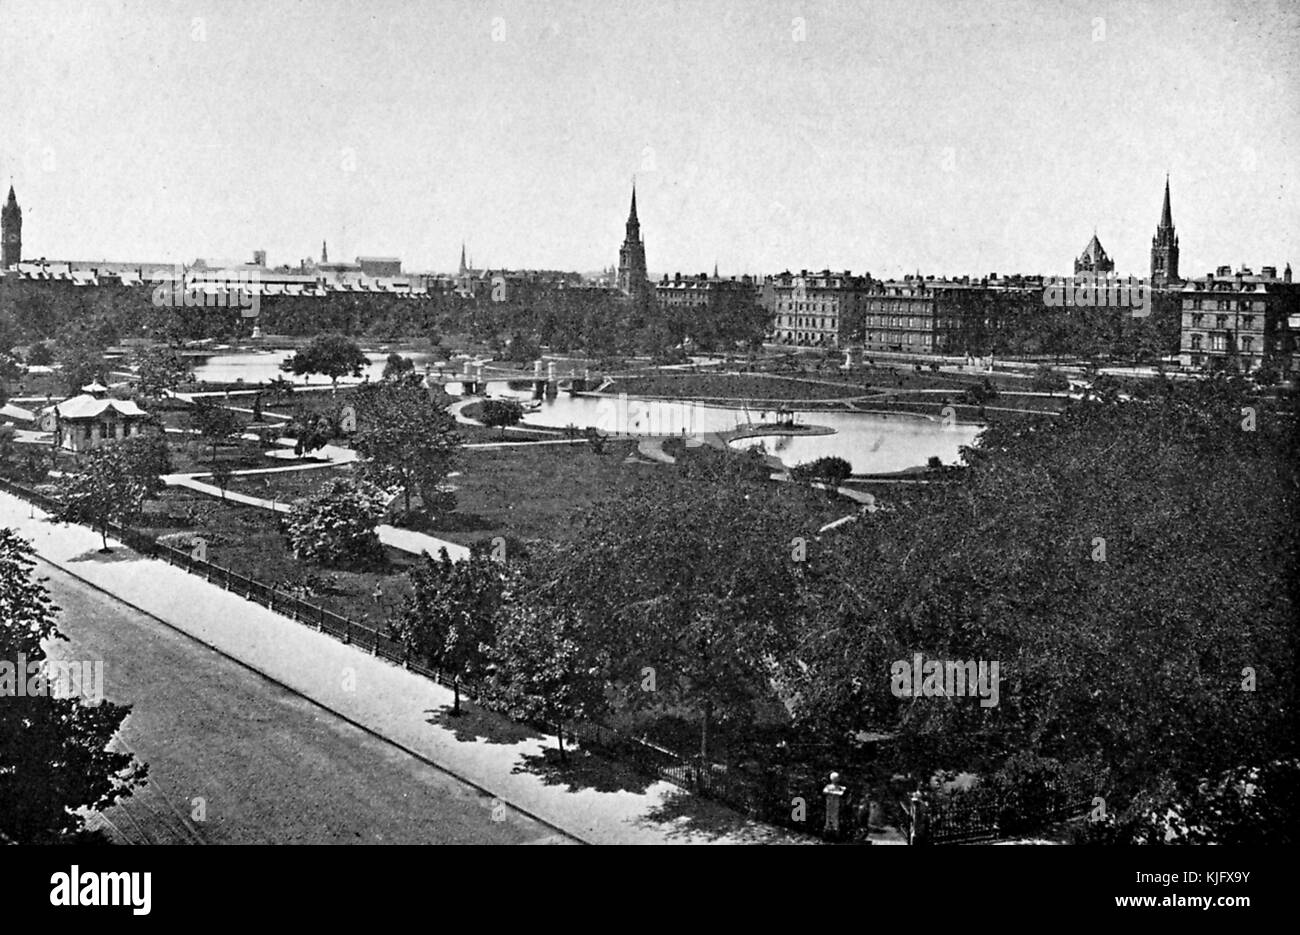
x,y
925,315
701,290
814,309
1240,320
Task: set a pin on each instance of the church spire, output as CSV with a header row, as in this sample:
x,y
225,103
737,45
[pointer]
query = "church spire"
x,y
1164,246
631,215
462,258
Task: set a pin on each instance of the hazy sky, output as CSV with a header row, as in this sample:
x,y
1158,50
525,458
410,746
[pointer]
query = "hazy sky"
x,y
881,135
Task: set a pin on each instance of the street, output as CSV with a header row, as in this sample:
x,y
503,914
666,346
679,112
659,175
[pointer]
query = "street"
x,y
235,758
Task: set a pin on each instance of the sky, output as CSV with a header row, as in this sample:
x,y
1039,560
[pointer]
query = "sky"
x,y
887,136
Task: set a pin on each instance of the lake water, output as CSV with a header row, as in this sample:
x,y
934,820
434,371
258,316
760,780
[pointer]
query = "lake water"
x,y
872,443
257,366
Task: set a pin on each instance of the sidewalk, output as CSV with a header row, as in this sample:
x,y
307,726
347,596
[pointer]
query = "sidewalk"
x,y
595,801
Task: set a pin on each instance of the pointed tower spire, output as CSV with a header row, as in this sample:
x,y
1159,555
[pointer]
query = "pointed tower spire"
x,y
462,258
1164,246
324,253
631,215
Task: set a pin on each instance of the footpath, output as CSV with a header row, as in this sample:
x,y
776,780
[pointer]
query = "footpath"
x,y
592,800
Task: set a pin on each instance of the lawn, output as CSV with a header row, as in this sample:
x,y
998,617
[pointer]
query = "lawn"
x,y
247,540
534,492
682,385
543,492
284,486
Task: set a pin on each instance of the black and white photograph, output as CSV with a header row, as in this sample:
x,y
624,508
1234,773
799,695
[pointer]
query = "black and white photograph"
x,y
758,422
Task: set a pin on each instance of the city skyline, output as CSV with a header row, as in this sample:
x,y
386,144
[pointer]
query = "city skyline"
x,y
192,111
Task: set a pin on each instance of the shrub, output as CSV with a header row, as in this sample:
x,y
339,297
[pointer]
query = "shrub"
x,y
337,523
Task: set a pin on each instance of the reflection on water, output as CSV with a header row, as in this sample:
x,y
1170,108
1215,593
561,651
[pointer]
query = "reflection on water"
x,y
872,443
259,366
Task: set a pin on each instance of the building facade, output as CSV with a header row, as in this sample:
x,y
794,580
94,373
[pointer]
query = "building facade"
x,y
1240,321
814,309
699,291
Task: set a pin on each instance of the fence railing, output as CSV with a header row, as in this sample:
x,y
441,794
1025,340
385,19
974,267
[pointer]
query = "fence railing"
x,y
765,793
979,815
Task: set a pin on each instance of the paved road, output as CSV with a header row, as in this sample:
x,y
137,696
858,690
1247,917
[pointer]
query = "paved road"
x,y
270,766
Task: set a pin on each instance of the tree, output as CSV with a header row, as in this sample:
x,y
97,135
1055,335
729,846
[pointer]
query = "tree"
x,y
693,588
331,355
406,438
501,413
311,430
40,355
159,369
1048,380
144,459
221,476
397,366
546,664
450,617
80,366
107,489
215,424
830,471
337,523
55,761
1130,564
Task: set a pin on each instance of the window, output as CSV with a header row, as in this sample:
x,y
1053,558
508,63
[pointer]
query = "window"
x,y
1196,342
1246,343
1248,321
1196,320
1221,321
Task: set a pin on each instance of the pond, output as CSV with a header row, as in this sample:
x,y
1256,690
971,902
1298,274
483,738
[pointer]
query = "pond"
x,y
873,443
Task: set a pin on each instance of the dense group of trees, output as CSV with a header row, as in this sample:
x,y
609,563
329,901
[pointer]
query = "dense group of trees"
x,y
1129,565
595,321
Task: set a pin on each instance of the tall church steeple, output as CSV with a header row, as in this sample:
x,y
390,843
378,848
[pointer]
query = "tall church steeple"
x,y
11,231
1164,247
632,276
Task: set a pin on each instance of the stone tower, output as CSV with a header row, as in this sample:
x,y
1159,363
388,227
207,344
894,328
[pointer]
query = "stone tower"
x,y
11,232
1164,247
1094,259
632,277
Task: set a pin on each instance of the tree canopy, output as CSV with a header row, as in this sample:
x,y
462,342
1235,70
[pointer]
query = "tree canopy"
x,y
331,355
55,760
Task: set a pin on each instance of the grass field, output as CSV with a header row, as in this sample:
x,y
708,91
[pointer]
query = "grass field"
x,y
284,486
542,492
248,541
733,386
534,492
